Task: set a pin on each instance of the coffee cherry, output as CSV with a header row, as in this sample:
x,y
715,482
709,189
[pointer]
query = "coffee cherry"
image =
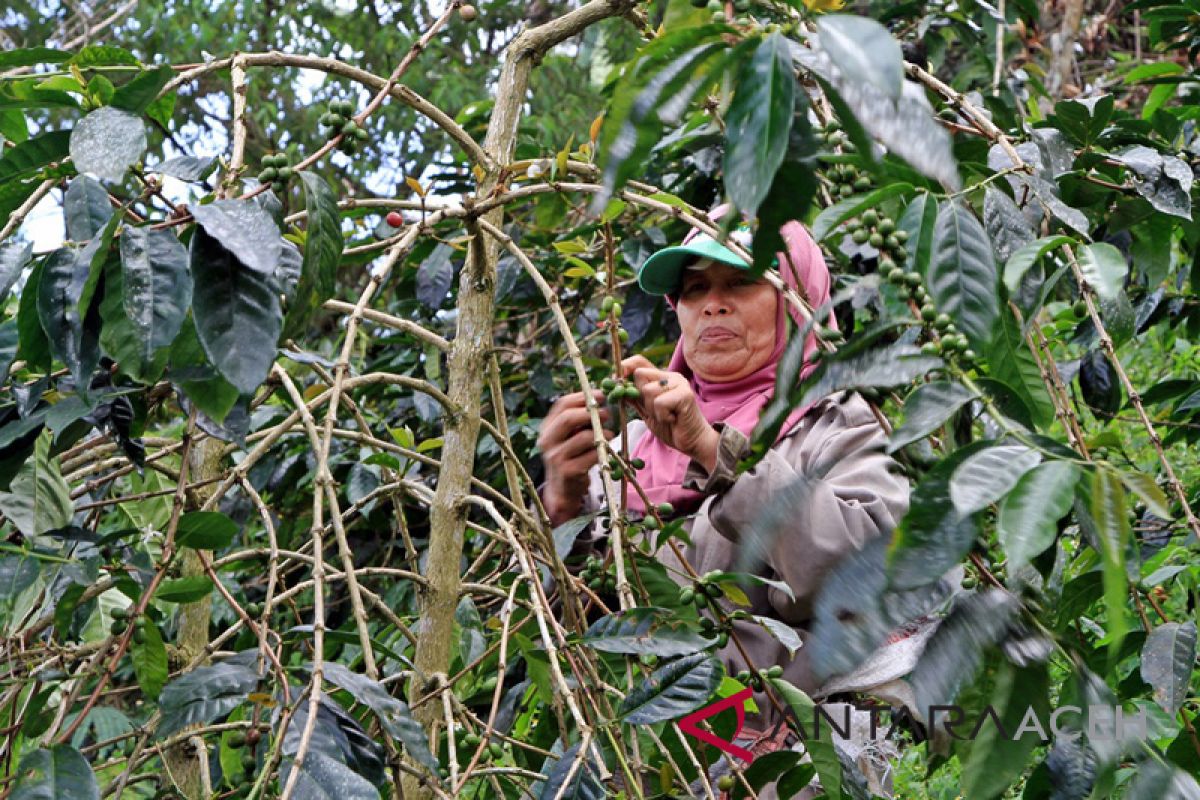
x,y
666,509
725,783
467,13
723,639
712,590
742,676
350,127
876,240
912,278
714,6
1079,308
606,304
687,595
237,739
395,219
870,217
775,672
268,174
862,184
637,463
942,322
930,349
860,236
886,226
928,313
286,173
623,335
117,627
249,762
699,3
608,384
968,354
139,635
896,276
120,612
901,236
845,190
891,242
649,659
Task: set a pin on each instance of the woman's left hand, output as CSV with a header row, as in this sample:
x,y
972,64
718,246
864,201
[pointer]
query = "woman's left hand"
x,y
668,407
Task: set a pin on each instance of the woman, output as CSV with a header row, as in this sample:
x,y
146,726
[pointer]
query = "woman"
x,y
696,417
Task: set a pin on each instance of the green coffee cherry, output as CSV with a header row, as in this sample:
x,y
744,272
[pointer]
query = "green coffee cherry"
x,y
876,240
608,384
860,236
901,235
870,217
623,335
775,672
237,739
268,174
666,509
928,313
1079,308
361,134
687,595
117,627
942,322
723,639
607,304
725,783
120,612
886,225
968,354
496,750
930,349
912,278
349,128
862,184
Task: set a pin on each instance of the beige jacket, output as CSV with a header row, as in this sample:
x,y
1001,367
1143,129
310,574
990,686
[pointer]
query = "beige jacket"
x,y
860,494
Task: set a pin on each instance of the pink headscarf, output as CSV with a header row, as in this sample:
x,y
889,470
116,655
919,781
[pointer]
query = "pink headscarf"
x,y
737,403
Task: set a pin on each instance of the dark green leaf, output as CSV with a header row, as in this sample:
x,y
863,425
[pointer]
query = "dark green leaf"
x,y
434,277
86,208
758,123
322,253
1006,224
326,778
26,94
14,257
244,229
640,631
583,776
185,590
9,339
926,409
1107,508
1158,781
997,761
104,55
67,272
205,530
156,286
989,474
1019,262
59,773
107,142
895,365
30,56
236,311
932,536
17,573
820,748
38,499
673,690
962,276
1012,363
338,737
203,695
150,660
393,714
1026,525
864,51
1099,383
34,345
137,95
841,211
186,168
1165,181
955,651
1167,661
199,380
32,155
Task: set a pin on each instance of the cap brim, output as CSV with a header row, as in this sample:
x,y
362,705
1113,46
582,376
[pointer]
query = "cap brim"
x,y
660,273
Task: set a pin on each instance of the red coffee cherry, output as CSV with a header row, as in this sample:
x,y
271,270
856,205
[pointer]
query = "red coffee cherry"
x,y
395,220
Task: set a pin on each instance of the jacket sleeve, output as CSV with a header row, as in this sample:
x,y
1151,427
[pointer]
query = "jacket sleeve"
x,y
816,495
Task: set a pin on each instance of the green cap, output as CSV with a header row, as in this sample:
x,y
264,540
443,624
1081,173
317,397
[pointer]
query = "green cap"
x,y
662,272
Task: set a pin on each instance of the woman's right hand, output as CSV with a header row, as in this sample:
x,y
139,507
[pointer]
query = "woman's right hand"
x,y
568,452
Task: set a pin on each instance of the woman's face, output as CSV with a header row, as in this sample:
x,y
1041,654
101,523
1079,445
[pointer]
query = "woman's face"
x,y
727,318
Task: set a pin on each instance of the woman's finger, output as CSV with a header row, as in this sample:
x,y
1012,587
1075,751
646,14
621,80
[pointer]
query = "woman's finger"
x,y
633,363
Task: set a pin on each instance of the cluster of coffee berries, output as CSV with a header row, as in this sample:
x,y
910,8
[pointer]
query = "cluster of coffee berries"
x,y
337,120
704,591
847,181
758,679
611,310
275,168
249,740
950,341
121,622
833,135
254,610
597,577
470,741
617,390
717,8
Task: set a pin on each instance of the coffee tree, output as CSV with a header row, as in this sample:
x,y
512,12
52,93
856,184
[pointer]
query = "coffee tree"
x,y
268,471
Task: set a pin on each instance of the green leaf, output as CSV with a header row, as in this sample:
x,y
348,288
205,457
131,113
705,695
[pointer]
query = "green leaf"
x,y
104,55
895,365
107,142
435,276
150,660
236,312
1026,525
919,221
86,208
568,780
322,253
1167,661
954,652
1020,261
14,257
13,125
962,276
17,573
27,94
841,211
1103,268
185,590
1107,509
31,56
244,229
989,474
185,168
205,530
10,333
640,631
758,123
782,632
393,714
326,778
34,345
996,761
30,156
1162,781
63,282
203,695
38,499
1145,487
59,773
932,536
820,748
678,688
156,286
190,368
926,409
1012,363
137,95
864,51
1099,383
